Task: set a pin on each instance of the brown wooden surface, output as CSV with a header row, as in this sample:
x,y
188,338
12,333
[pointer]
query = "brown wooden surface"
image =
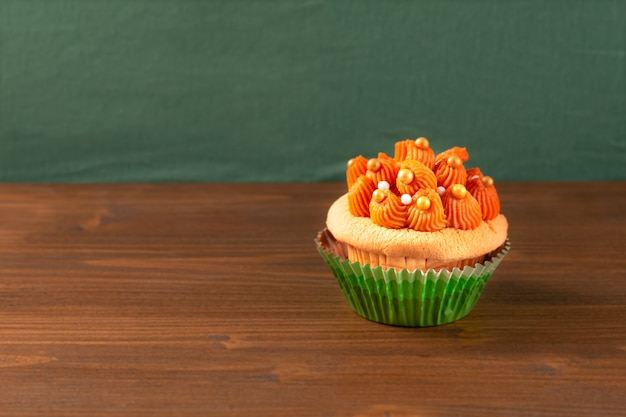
x,y
210,299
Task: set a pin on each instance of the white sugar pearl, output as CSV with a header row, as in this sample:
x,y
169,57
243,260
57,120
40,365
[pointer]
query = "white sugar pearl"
x,y
440,190
406,199
383,185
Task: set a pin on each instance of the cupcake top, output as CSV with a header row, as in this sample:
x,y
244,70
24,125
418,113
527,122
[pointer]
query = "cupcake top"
x,y
393,189
419,204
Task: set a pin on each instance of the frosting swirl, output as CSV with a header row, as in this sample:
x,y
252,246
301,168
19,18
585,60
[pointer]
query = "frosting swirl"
x,y
418,149
425,213
485,193
359,196
383,168
450,171
357,166
387,209
460,152
474,174
414,175
461,208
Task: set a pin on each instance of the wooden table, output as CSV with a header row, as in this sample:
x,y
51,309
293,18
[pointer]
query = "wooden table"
x,y
211,299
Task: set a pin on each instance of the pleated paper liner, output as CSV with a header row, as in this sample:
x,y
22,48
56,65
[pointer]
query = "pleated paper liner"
x,y
408,298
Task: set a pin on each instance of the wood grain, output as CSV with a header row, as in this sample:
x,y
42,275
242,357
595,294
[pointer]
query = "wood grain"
x,y
210,299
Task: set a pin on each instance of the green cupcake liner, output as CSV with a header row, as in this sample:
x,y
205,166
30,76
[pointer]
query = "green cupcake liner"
x,y
409,298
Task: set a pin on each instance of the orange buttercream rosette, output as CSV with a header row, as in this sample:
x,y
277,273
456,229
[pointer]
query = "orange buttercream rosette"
x,y
383,168
461,208
387,209
460,152
357,166
426,213
418,149
450,171
359,196
473,174
414,175
484,191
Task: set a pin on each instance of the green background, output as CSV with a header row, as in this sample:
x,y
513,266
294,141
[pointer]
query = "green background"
x,y
244,90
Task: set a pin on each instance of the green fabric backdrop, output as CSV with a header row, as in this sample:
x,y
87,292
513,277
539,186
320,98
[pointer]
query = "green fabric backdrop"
x,y
245,90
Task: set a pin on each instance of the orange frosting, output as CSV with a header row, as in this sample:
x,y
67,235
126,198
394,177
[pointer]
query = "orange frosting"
x,y
401,149
387,210
382,169
356,167
474,172
426,214
359,196
410,149
485,193
450,171
414,175
461,208
460,152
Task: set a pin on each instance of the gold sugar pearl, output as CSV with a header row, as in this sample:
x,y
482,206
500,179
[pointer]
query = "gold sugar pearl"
x,y
459,191
350,162
422,142
405,176
378,196
373,164
488,181
422,203
454,161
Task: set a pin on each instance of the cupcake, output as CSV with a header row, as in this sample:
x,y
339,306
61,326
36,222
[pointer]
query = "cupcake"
x,y
416,237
